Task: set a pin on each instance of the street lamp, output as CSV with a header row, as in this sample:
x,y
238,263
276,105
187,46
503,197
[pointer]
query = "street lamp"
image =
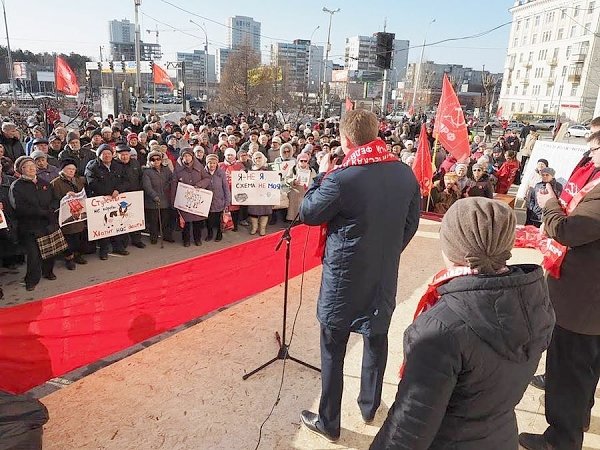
x,y
324,99
206,56
417,78
10,63
138,76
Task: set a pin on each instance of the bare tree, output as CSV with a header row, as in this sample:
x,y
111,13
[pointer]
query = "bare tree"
x,y
489,84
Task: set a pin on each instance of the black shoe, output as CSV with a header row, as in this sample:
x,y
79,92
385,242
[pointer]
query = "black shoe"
x,y
311,421
273,220
169,239
186,244
103,257
219,236
153,240
29,287
70,263
532,441
368,420
121,252
235,228
209,237
539,381
198,243
80,260
139,244
50,276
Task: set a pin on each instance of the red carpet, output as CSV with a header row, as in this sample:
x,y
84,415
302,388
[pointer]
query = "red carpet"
x,y
47,338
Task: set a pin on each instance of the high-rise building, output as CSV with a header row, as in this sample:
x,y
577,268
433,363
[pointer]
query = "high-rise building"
x,y
221,60
550,66
122,43
361,54
243,30
122,31
301,62
198,65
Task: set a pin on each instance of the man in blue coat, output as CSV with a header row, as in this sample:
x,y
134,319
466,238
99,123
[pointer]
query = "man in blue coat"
x,y
370,208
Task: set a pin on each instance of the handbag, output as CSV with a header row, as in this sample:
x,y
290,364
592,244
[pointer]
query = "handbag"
x,y
226,221
52,244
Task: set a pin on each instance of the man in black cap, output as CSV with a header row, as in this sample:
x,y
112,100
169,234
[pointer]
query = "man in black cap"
x,y
86,138
74,151
55,145
95,142
41,144
104,177
132,181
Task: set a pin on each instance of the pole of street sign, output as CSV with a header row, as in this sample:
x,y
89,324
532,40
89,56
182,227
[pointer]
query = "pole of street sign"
x,y
138,76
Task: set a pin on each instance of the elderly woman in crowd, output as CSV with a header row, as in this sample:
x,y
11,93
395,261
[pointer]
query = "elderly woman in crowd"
x,y
299,179
477,338
231,164
480,185
68,184
9,248
221,196
462,180
34,205
156,182
443,197
45,171
189,171
259,214
534,211
507,173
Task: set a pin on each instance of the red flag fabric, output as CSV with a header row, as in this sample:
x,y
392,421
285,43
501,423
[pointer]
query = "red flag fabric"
x,y
349,104
411,110
450,127
65,78
160,76
422,166
499,113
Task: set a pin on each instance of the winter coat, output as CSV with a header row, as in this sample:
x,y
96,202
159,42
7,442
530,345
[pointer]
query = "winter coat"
x,y
13,148
34,205
506,175
132,175
534,211
220,189
575,294
480,188
60,186
8,237
228,168
48,174
157,184
81,157
468,361
195,176
442,200
529,143
104,181
260,210
365,237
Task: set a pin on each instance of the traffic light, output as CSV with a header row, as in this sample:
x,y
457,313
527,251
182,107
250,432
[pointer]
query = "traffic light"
x,y
111,65
151,66
99,66
384,50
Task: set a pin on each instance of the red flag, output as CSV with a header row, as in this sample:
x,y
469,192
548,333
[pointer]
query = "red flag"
x,y
450,128
411,110
160,76
349,104
499,113
422,166
65,78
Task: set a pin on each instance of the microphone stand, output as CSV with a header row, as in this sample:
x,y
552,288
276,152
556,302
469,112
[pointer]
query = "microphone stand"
x,y
283,352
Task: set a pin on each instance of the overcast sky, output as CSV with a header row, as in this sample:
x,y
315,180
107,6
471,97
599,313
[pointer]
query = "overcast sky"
x,y
82,27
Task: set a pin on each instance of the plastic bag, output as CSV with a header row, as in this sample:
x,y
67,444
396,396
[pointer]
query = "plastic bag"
x,y
226,221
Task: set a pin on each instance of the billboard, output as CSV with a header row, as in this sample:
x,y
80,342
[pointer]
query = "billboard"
x,y
20,71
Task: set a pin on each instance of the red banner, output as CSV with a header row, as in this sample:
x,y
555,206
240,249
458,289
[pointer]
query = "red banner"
x,y
423,166
47,338
160,76
65,78
450,127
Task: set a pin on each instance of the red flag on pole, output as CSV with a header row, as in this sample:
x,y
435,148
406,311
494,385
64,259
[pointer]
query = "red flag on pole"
x,y
450,128
65,78
499,113
349,104
422,166
160,76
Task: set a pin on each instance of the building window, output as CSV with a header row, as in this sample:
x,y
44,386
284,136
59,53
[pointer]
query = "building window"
x,y
560,90
550,17
560,33
526,23
563,13
548,91
521,57
573,91
515,90
587,29
573,31
536,21
591,7
524,91
521,107
568,54
518,27
546,36
555,54
576,11
512,107
564,71
533,38
518,74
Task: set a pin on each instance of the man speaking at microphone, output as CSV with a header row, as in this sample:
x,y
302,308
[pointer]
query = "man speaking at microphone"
x,y
368,210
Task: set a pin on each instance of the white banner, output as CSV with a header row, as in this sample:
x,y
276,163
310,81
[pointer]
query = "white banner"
x,y
193,200
258,187
110,217
72,209
3,223
561,156
284,168
303,177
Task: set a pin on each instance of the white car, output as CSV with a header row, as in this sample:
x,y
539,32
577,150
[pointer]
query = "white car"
x,y
578,131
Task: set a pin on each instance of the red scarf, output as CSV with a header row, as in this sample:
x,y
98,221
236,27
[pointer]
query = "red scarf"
x,y
371,153
578,179
431,296
555,252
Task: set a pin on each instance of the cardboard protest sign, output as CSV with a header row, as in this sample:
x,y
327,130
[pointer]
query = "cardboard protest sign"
x,y
303,177
193,200
3,223
72,209
284,168
561,156
109,216
255,188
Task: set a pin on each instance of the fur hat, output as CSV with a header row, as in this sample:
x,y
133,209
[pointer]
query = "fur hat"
x,y
67,162
20,161
211,157
478,232
72,135
185,150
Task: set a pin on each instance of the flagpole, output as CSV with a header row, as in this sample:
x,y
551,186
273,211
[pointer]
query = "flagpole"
x,y
435,144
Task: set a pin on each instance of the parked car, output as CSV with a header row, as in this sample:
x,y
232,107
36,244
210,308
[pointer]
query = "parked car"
x,y
515,126
578,131
397,116
544,124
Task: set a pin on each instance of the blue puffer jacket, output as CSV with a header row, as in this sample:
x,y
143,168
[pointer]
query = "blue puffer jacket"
x,y
372,212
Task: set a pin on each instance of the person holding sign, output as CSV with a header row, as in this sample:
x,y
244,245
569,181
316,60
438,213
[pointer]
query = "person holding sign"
x,y
188,170
259,214
230,165
221,196
68,184
298,180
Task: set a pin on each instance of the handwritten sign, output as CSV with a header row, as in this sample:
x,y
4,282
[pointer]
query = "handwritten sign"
x,y
3,223
303,177
109,216
284,168
255,188
72,209
193,200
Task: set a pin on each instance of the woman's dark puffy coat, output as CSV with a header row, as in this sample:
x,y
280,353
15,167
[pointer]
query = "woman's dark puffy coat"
x,y
468,362
157,183
34,205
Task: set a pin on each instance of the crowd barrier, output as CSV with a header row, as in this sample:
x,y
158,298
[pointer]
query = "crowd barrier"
x,y
47,338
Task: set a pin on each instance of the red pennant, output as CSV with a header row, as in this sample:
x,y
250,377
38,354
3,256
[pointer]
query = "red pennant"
x,y
349,104
65,78
422,166
160,76
450,127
